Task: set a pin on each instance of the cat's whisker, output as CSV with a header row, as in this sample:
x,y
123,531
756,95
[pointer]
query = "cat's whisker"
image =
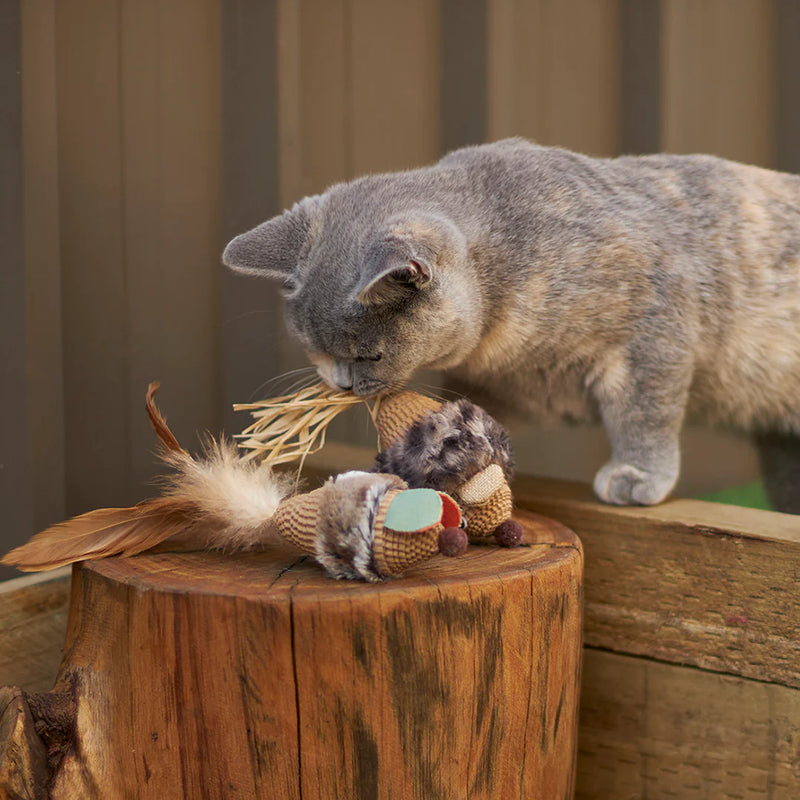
x,y
305,382
274,385
440,392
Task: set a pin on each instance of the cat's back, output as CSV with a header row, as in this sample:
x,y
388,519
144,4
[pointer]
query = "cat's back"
x,y
702,212
694,182
728,235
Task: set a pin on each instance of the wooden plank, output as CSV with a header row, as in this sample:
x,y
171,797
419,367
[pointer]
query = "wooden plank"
x,y
553,68
663,731
15,456
95,314
33,621
394,75
787,85
314,124
718,81
463,73
251,308
43,328
686,581
640,75
171,168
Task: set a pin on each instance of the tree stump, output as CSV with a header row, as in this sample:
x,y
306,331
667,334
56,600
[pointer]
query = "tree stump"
x,y
203,675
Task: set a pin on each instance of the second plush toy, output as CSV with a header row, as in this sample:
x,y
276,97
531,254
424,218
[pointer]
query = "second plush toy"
x,y
453,447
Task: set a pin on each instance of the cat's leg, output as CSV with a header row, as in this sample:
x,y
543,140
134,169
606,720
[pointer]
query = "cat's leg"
x,y
642,413
779,459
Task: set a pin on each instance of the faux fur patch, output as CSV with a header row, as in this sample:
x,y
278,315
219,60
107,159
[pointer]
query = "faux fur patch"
x,y
447,447
345,525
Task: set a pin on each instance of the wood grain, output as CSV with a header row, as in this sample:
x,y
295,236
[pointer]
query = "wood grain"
x,y
686,581
662,731
23,758
459,679
33,619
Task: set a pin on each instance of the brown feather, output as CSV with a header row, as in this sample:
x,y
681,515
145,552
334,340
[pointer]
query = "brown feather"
x,y
106,532
165,435
218,501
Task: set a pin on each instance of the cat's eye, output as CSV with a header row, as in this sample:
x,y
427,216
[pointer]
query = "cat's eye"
x,y
376,357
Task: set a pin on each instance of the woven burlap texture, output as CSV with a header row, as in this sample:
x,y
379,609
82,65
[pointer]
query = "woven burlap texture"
x,y
398,412
296,520
483,518
479,488
396,551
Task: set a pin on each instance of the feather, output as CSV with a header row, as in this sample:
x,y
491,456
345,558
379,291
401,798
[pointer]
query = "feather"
x,y
105,532
165,435
216,501
237,497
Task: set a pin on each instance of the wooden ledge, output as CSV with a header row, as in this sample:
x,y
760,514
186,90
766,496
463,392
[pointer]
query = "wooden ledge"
x,y
688,582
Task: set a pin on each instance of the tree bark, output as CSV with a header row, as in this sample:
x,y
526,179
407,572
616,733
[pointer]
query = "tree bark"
x,y
205,675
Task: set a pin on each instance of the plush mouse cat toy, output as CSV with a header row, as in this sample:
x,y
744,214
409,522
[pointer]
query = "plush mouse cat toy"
x,y
358,525
634,290
453,447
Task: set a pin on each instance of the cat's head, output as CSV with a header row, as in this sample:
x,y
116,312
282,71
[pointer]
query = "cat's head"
x,y
373,292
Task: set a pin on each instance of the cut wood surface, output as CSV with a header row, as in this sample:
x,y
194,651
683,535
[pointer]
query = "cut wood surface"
x,y
687,581
665,732
255,675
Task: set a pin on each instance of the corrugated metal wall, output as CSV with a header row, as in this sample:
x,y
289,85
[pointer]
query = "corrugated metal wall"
x,y
151,131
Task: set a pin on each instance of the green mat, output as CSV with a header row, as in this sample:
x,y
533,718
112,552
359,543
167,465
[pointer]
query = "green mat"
x,y
750,496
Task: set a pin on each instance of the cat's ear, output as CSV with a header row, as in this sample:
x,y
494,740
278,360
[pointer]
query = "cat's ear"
x,y
271,249
394,272
408,257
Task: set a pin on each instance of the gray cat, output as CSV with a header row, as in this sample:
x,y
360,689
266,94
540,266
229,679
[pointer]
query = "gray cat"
x,y
634,290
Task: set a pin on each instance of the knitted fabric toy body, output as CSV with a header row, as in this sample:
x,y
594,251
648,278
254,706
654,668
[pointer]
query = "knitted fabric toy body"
x,y
455,447
371,526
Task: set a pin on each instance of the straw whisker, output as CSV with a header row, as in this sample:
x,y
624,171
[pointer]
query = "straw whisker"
x,y
292,426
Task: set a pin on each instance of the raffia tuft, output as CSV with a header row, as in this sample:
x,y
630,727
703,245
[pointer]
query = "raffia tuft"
x,y
291,427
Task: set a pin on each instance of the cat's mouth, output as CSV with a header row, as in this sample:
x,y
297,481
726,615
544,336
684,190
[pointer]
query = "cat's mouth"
x,y
362,387
370,387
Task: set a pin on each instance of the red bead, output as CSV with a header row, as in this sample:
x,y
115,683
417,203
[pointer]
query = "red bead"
x,y
452,542
508,533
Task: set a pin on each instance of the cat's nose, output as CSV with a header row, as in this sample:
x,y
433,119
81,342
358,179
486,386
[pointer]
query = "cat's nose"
x,y
343,375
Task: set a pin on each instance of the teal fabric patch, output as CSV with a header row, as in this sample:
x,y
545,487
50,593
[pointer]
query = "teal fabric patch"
x,y
750,496
414,510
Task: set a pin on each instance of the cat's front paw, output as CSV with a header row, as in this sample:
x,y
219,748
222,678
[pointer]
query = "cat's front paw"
x,y
626,485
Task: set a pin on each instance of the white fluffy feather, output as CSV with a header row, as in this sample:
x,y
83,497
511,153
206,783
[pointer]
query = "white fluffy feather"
x,y
238,497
